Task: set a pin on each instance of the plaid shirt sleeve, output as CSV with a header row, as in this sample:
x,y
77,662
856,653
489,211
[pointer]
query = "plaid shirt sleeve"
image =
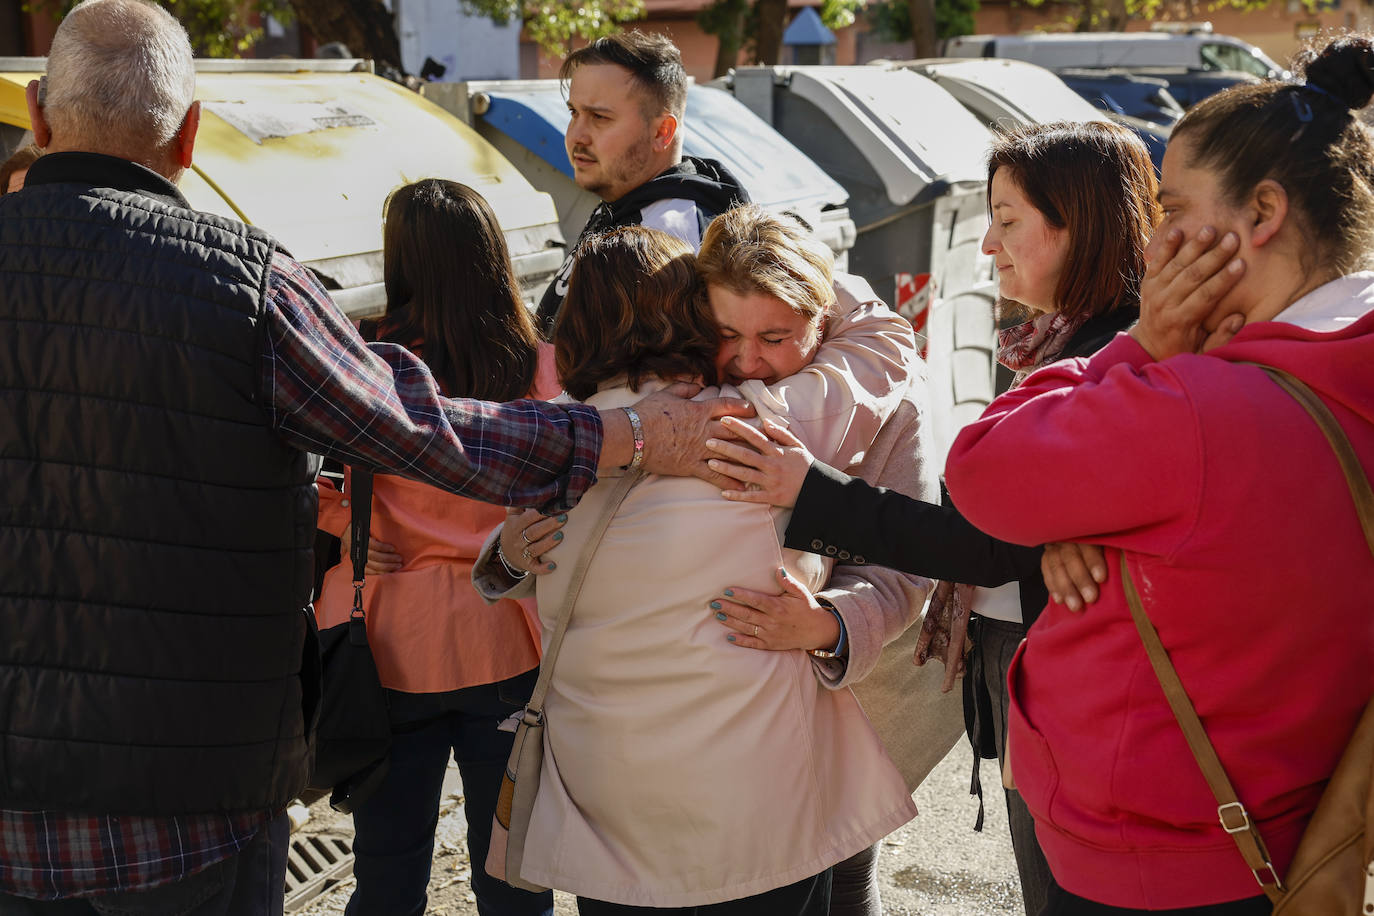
x,y
329,392
51,855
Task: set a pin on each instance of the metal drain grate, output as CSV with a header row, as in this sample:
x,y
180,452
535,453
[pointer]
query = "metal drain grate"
x,y
313,865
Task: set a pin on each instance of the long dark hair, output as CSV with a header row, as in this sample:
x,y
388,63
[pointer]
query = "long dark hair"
x,y
449,282
1306,137
1095,181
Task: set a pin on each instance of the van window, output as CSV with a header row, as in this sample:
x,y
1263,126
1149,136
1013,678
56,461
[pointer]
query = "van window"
x,y
1231,57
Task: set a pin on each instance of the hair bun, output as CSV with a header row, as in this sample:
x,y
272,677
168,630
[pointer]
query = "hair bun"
x,y
1343,67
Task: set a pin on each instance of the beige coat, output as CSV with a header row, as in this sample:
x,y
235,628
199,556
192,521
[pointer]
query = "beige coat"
x,y
680,770
882,607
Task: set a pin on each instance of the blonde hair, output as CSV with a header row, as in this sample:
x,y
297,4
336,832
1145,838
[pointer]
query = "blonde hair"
x,y
750,250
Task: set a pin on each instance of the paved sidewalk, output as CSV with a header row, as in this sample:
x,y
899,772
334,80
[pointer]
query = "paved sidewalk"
x,y
934,866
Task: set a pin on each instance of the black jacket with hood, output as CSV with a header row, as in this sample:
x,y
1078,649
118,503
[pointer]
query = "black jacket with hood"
x,y
705,183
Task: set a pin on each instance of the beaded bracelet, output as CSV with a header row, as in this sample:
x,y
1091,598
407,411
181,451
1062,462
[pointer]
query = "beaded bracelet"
x,y
514,572
636,430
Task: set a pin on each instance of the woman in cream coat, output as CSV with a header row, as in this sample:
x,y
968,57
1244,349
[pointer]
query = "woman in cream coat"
x,y
681,773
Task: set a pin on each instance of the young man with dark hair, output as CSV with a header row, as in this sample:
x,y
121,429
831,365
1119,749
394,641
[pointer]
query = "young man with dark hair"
x,y
627,95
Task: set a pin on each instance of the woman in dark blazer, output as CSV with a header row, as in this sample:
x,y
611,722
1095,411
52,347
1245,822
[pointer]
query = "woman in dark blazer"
x,y
1072,207
835,513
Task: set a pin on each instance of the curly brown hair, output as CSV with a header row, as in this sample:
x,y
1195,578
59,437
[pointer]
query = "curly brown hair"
x,y
632,310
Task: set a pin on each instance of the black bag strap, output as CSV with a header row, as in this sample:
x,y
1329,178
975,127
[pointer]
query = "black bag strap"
x,y
360,502
1235,820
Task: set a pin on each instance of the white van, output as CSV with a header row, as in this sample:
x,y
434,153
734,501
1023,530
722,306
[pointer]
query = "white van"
x,y
1197,50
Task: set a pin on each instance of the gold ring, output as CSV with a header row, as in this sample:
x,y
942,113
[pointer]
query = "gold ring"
x,y
525,552
756,631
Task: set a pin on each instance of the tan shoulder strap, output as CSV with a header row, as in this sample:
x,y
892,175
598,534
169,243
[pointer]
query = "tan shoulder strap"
x,y
535,707
1345,453
1235,820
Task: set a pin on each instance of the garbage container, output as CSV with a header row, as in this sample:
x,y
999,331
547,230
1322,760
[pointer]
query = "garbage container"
x,y
1006,92
526,120
309,151
1013,92
913,161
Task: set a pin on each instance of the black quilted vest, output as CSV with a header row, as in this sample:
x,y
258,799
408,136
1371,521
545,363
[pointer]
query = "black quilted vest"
x,y
155,534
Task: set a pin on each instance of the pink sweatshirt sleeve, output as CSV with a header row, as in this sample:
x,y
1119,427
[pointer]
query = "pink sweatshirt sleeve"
x,y
1096,450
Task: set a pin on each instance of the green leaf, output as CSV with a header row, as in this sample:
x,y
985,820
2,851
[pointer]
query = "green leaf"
x,y
553,24
217,28
891,19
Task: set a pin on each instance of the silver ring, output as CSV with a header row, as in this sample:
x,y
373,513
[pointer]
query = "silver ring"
x,y
525,552
756,631
526,535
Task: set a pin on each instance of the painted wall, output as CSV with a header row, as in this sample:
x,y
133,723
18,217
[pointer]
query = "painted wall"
x,y
470,47
699,49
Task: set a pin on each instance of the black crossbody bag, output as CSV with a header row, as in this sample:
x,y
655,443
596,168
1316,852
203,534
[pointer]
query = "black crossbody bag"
x,y
353,736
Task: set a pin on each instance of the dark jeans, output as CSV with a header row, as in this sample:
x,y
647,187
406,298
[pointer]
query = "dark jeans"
x,y
1062,903
810,897
251,883
393,845
854,887
994,645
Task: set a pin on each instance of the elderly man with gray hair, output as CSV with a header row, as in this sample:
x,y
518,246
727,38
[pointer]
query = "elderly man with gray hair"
x,y
166,376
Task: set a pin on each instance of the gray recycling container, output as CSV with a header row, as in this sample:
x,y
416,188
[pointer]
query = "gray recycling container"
x,y
526,120
914,163
1006,93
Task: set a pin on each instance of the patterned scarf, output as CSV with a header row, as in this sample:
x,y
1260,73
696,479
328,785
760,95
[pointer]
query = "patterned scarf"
x,y
1026,347
1022,348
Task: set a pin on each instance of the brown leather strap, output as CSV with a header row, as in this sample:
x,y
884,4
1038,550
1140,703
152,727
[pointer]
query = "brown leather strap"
x,y
1235,820
1355,477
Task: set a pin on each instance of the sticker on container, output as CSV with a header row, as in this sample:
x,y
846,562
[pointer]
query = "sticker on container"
x,y
259,121
915,292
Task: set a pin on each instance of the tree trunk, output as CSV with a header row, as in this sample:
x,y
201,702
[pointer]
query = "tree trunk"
x,y
771,16
1117,16
923,37
364,26
727,54
727,47
1103,16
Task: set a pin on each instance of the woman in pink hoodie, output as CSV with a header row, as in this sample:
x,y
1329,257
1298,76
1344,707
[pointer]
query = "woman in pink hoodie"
x,y
1225,500
1223,497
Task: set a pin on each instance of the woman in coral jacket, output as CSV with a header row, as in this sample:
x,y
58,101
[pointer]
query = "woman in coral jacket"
x,y
453,666
1226,500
